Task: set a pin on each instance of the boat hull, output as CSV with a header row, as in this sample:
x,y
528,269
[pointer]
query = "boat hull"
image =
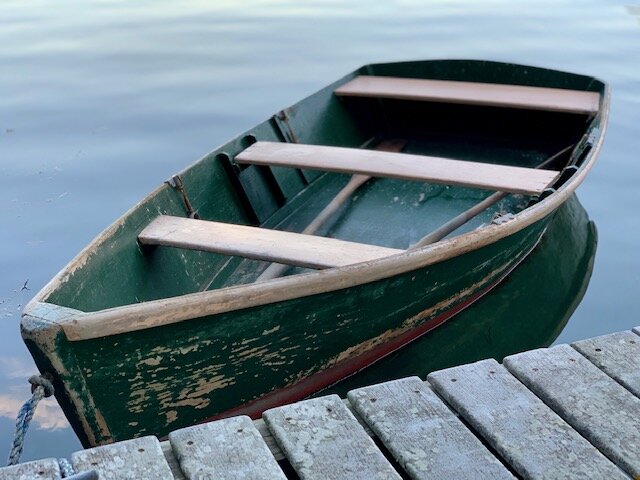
x,y
157,380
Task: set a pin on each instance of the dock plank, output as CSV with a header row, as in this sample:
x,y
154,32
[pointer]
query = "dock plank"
x,y
472,93
426,438
224,450
616,354
140,458
45,469
323,440
404,166
527,434
275,448
289,248
595,405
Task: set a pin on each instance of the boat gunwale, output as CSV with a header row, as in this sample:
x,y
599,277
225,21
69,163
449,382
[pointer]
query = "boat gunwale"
x,y
155,313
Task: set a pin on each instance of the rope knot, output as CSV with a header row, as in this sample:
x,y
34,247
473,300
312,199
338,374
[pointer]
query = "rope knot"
x,y
41,381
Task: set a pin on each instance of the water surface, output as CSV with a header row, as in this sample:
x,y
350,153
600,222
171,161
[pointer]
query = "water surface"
x,y
100,101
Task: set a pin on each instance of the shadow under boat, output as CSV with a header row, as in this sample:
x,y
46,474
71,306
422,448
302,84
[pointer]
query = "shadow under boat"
x,y
528,310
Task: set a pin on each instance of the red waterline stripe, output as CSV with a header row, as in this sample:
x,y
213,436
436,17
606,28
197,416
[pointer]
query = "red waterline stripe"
x,y
330,376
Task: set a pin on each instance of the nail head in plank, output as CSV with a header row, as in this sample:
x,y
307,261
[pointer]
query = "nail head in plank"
x,y
426,438
259,243
594,404
46,469
140,458
489,94
527,434
323,440
225,449
616,354
399,165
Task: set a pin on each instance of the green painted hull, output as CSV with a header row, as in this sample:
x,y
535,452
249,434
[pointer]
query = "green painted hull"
x,y
528,310
160,375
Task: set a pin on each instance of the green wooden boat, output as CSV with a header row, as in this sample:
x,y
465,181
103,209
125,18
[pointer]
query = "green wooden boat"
x,y
314,244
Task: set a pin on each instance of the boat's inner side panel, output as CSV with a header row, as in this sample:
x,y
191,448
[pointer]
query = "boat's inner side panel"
x,y
383,212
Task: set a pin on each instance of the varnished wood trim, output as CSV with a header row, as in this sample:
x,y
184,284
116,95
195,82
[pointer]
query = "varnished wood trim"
x,y
490,94
297,249
404,166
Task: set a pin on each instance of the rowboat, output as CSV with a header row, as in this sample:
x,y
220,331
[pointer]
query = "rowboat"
x,y
314,244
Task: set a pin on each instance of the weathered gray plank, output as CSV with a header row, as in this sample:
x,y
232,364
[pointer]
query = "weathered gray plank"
x,y
226,449
323,440
426,438
275,448
40,469
528,435
617,354
140,458
598,407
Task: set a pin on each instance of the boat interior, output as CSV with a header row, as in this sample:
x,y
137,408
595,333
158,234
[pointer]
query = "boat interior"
x,y
363,169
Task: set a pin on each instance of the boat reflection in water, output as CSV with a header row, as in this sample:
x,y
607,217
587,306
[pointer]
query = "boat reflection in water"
x,y
527,310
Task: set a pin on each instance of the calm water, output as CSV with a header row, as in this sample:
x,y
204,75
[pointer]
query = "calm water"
x,y
100,101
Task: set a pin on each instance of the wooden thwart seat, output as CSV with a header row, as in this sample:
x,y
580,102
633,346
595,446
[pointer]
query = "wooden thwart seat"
x,y
259,243
490,94
399,165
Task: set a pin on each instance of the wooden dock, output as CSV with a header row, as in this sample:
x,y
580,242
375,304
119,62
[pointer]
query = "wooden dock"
x,y
570,411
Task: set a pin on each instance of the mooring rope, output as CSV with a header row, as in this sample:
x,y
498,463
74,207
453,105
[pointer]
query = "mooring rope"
x,y
40,388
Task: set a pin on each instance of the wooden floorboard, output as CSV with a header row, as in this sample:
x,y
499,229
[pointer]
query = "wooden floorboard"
x,y
140,458
616,354
39,469
471,93
228,449
526,433
505,178
425,437
598,407
323,440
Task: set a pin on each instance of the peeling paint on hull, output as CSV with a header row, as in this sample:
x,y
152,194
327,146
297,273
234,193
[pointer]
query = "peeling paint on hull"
x,y
350,365
152,382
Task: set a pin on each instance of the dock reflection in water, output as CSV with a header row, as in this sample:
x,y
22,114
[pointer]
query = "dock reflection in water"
x,y
526,311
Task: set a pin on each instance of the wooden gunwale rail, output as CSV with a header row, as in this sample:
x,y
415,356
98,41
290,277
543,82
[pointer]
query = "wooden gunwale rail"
x,y
569,411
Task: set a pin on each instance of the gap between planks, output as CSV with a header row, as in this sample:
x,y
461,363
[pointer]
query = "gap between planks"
x,y
266,436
